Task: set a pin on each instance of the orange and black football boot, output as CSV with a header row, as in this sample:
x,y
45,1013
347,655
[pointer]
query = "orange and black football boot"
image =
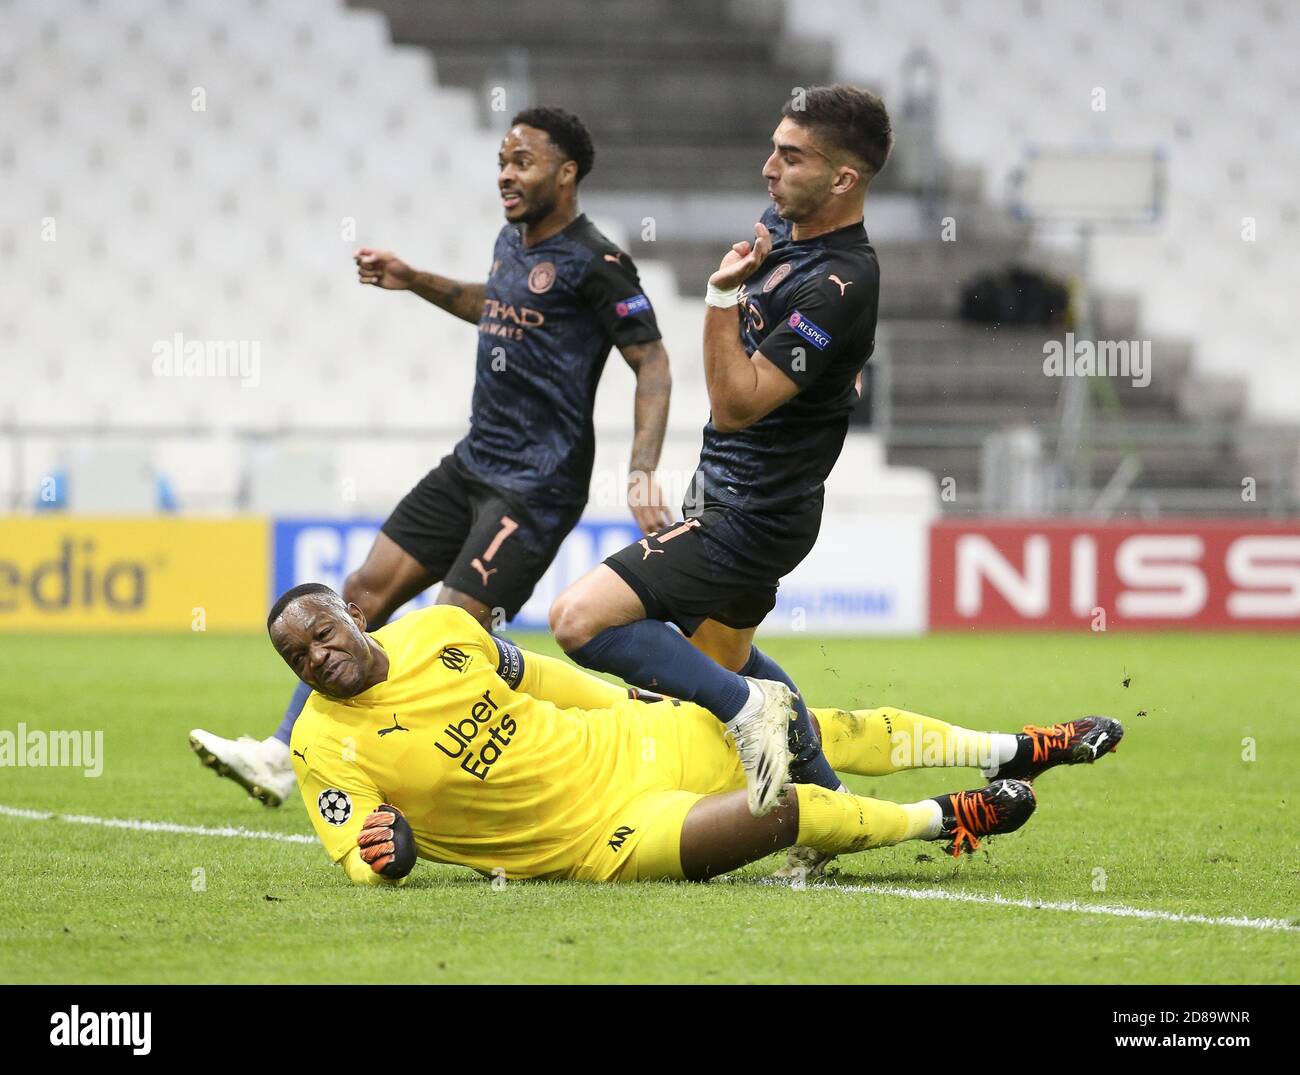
x,y
1002,806
1075,742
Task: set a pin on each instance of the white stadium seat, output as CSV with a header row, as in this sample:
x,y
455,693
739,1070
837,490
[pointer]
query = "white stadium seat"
x,y
233,222
1004,82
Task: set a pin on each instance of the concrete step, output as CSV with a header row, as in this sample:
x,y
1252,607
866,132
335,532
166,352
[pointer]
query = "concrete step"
x,y
1143,504
663,45
622,24
934,259
678,95
916,298
971,419
1159,471
641,95
950,340
1001,383
1006,384
721,164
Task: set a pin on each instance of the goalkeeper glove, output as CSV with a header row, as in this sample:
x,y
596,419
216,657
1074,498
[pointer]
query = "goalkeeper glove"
x,y
387,843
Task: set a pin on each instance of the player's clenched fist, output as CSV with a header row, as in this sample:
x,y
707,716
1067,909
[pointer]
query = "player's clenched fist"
x,y
387,843
382,268
743,259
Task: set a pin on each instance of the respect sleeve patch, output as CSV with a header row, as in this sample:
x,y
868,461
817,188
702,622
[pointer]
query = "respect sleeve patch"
x,y
818,337
510,662
637,304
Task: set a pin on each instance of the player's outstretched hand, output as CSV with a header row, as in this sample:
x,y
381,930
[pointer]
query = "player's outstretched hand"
x,y
741,261
382,268
386,842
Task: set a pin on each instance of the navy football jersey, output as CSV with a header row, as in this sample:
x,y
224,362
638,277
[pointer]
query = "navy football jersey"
x,y
810,308
551,314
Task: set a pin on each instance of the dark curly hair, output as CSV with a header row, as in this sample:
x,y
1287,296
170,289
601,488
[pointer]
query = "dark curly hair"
x,y
566,130
848,119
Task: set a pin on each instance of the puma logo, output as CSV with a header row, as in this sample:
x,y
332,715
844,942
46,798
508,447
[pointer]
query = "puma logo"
x,y
300,754
477,565
613,257
839,283
395,728
646,545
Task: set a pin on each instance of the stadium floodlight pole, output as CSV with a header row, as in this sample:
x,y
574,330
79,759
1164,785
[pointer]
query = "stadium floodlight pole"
x,y
1086,190
1068,480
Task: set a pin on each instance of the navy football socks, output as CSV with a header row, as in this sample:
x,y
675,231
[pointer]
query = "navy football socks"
x,y
651,655
808,765
299,699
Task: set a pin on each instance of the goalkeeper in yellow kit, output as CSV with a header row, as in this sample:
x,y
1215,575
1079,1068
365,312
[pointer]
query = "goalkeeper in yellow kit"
x,y
432,738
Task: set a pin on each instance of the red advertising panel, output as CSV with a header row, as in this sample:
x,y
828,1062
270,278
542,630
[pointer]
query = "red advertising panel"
x,y
1168,574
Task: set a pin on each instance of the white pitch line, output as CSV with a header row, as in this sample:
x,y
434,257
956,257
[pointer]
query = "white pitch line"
x,y
157,826
1274,924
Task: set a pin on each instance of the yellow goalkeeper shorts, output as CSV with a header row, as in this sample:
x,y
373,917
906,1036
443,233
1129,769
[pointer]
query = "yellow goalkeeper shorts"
x,y
642,841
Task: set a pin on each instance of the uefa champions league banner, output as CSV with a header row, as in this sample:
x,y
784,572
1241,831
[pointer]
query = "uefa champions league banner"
x,y
866,575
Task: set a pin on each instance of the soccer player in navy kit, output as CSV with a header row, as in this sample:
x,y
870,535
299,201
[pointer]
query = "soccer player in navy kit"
x,y
489,519
790,323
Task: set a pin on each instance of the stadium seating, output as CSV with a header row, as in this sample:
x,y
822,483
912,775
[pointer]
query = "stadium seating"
x,y
208,175
627,73
1230,156
182,167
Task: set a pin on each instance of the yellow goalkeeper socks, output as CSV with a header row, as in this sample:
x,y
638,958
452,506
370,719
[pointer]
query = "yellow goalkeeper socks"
x,y
876,742
840,822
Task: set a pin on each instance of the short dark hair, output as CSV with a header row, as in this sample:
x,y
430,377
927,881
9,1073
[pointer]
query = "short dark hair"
x,y
566,130
846,118
291,595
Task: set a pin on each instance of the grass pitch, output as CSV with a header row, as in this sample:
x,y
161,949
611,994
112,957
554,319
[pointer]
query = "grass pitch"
x,y
1180,822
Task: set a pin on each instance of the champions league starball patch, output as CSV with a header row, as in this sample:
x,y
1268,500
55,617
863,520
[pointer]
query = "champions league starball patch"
x,y
335,806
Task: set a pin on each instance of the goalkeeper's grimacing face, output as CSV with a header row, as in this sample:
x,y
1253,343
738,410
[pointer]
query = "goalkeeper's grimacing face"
x,y
326,645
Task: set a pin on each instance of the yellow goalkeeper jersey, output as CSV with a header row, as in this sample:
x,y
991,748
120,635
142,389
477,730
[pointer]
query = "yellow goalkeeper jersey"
x,y
488,776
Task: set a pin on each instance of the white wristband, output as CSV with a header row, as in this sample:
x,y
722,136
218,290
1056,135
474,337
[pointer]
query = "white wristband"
x,y
722,298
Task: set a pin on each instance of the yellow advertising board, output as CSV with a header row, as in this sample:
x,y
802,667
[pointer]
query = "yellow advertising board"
x,y
71,573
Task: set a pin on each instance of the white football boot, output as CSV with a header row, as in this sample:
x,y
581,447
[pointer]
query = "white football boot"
x,y
761,734
266,773
804,864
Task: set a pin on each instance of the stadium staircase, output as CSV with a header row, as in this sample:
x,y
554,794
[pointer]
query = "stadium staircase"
x,y
186,169
679,94
681,98
1224,398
